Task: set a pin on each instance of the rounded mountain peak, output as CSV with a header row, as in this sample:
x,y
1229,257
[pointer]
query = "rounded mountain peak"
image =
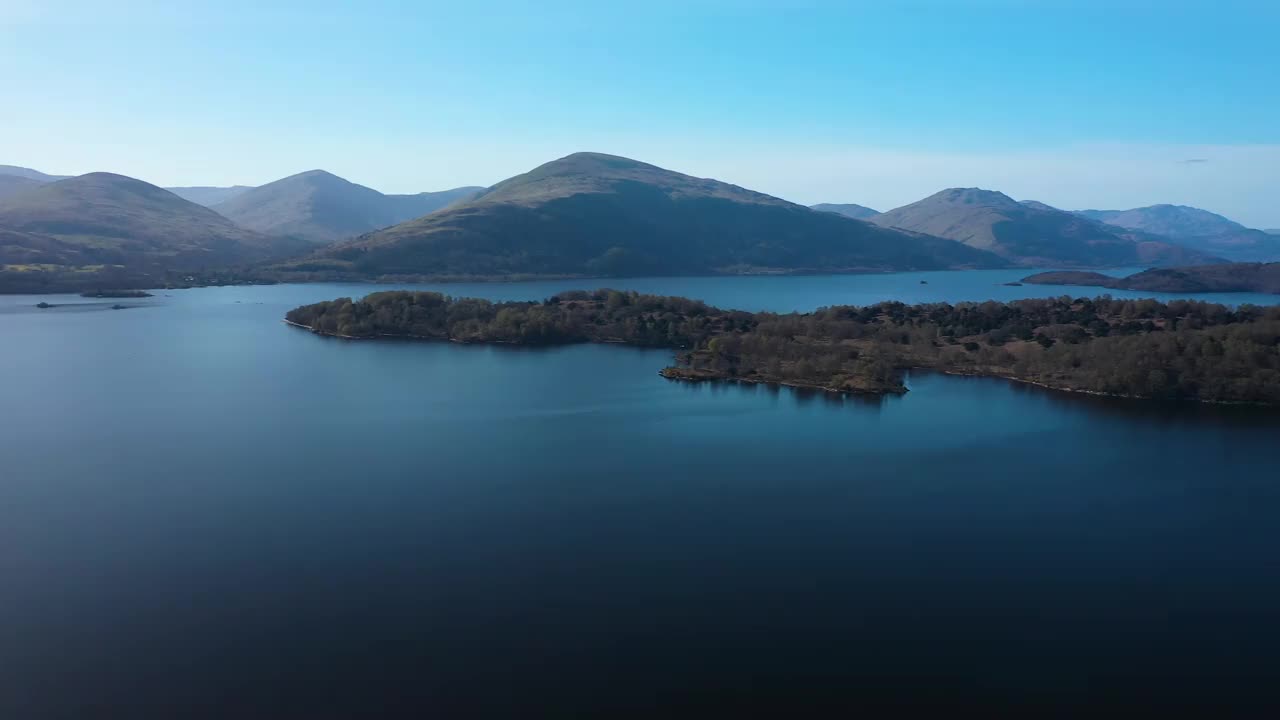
x,y
592,163
975,196
1167,210
105,178
313,177
98,184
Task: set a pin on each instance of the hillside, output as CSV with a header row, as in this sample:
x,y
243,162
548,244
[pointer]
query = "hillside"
x,y
1227,277
1032,233
208,196
321,207
1194,228
28,173
201,195
14,184
70,231
593,214
1171,220
857,212
1037,205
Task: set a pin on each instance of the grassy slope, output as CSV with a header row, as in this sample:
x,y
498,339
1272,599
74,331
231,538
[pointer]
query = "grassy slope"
x,y
592,214
321,207
139,231
1031,234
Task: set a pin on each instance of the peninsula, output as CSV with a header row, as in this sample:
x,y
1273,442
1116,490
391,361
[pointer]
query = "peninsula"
x,y
1228,277
1181,350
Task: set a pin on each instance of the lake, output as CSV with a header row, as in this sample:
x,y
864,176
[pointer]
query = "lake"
x,y
206,513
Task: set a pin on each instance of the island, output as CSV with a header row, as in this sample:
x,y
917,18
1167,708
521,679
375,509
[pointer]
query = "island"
x,y
1181,350
1223,277
116,294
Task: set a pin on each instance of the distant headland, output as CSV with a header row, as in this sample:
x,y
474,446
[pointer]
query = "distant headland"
x,y
1230,277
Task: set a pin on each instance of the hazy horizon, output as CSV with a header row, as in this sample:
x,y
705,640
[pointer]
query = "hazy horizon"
x,y
1087,105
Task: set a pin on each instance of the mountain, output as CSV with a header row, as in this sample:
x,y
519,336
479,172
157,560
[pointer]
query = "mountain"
x,y
1032,233
857,212
1194,228
1225,277
1102,216
13,184
1037,205
70,231
30,174
594,214
321,207
1272,231
206,195
201,195
1170,220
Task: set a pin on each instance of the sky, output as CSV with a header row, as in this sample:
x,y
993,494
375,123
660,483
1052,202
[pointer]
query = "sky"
x,y
1078,104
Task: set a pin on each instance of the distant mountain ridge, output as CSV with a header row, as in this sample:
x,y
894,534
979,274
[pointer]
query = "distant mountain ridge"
x,y
208,195
596,214
857,212
1194,228
1037,205
102,228
584,214
1032,233
1170,220
321,207
317,206
30,174
201,195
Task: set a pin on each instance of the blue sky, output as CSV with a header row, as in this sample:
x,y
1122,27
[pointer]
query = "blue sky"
x,y
1072,103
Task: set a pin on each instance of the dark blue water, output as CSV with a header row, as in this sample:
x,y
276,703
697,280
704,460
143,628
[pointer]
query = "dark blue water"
x,y
776,294
205,513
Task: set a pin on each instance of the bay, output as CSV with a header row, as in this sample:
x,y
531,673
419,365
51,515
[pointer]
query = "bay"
x,y
206,513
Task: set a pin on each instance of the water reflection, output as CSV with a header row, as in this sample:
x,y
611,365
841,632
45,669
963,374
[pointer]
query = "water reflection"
x,y
197,498
1159,413
799,396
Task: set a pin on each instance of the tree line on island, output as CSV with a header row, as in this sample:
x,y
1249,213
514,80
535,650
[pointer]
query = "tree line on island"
x,y
1229,277
1183,350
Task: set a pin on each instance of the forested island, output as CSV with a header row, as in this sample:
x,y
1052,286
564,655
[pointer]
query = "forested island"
x,y
1223,277
1184,349
116,294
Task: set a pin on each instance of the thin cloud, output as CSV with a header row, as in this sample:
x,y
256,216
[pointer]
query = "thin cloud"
x,y
1193,161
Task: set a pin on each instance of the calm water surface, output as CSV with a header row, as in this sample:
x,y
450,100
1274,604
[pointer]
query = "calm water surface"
x,y
205,513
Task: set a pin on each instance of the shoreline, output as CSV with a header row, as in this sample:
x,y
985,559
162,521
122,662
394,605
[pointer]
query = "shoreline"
x,y
457,341
501,279
679,374
671,372
861,351
322,333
